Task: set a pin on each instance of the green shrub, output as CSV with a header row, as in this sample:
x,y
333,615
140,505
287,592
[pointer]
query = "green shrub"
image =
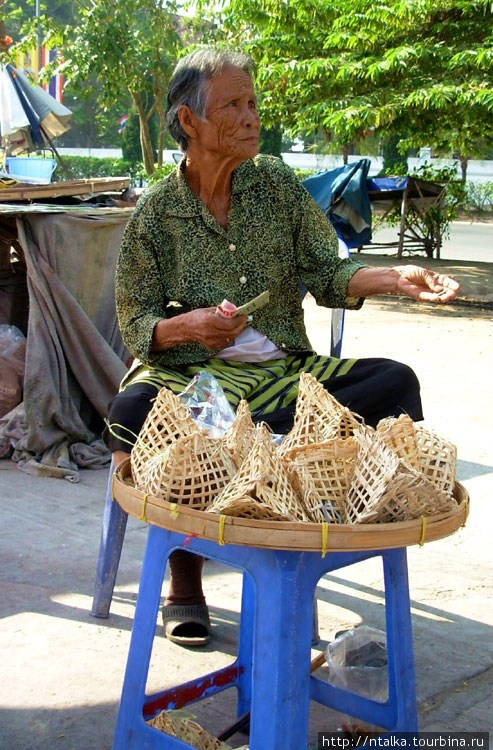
x,y
479,196
158,173
302,174
90,167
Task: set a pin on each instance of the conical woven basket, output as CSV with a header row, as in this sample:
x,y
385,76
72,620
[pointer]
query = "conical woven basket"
x,y
399,434
167,421
384,488
422,449
240,437
321,474
318,416
186,730
308,429
261,489
437,459
191,471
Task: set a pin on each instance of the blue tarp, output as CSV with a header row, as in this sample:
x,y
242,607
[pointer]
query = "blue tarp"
x,y
342,195
386,183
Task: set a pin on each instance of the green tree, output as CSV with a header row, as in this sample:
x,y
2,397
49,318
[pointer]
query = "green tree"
x,y
121,50
270,141
130,141
421,68
393,161
92,122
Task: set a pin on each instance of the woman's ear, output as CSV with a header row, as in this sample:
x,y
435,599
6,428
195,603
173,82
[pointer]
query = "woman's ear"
x,y
187,120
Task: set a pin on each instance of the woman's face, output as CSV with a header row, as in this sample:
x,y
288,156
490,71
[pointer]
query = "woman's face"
x,y
231,124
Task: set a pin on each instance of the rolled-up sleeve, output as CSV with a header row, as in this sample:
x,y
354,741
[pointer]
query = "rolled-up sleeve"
x,y
138,289
322,271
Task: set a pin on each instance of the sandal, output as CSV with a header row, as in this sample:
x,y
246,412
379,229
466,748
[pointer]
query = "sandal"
x,y
187,625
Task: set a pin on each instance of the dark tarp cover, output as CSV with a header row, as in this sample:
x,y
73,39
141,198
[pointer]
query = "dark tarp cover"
x,y
343,196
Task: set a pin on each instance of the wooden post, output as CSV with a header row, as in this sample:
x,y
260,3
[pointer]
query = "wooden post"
x,y
403,220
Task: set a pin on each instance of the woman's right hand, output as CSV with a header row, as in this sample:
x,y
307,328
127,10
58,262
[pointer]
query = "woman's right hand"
x,y
212,330
202,326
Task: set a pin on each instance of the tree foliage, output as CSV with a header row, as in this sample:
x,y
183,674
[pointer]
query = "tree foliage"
x,y
420,69
127,47
120,50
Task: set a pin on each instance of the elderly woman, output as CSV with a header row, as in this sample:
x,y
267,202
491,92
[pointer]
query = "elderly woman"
x,y
228,223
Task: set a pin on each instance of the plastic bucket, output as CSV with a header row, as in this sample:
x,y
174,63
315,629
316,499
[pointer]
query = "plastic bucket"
x,y
38,171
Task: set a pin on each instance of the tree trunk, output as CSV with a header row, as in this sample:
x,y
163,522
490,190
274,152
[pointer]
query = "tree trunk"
x,y
463,167
145,136
162,132
345,154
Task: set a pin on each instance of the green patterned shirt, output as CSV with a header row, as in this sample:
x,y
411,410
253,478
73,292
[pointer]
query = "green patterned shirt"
x,y
175,257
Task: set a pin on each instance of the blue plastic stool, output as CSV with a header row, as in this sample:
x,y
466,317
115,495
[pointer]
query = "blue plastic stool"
x,y
271,671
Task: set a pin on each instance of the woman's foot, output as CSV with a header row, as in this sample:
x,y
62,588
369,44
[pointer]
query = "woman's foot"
x,y
187,624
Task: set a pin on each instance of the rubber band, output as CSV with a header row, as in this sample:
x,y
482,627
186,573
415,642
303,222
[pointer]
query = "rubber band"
x,y
222,521
143,516
325,536
174,512
423,531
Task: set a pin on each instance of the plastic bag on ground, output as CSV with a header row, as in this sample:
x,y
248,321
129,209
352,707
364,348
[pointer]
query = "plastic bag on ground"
x,y
357,661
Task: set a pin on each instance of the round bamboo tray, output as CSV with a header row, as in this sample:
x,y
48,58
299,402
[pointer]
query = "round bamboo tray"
x,y
303,537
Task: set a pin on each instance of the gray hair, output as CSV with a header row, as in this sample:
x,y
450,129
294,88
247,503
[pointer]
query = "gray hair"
x,y
189,81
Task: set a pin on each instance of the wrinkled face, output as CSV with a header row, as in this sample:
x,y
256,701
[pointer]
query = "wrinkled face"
x,y
231,125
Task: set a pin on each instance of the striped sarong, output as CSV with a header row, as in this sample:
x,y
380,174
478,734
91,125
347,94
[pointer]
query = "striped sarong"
x,y
267,386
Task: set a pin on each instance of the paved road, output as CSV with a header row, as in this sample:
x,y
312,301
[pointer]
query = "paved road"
x,y
467,241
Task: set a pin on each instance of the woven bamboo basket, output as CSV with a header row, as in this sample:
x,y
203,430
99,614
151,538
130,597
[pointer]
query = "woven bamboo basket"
x,y
287,535
193,470
333,419
421,449
167,421
399,434
240,437
186,730
261,488
321,473
437,459
384,488
308,429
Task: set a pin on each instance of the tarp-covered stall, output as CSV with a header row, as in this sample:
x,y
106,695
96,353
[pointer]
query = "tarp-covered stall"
x,y
74,354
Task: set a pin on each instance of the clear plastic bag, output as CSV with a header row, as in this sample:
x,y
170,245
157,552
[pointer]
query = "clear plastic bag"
x,y
357,661
12,366
208,405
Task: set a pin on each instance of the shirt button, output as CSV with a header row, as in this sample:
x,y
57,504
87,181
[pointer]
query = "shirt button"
x,y
243,279
232,247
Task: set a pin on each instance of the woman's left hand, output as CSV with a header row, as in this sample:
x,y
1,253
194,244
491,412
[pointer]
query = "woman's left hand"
x,y
424,285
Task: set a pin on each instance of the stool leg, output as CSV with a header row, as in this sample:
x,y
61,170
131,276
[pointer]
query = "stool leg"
x,y
400,652
130,726
245,645
281,664
110,548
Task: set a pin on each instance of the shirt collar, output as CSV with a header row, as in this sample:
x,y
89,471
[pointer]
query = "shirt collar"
x,y
186,204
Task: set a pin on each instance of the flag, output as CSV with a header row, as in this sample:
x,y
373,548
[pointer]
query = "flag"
x,y
122,121
29,62
55,85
